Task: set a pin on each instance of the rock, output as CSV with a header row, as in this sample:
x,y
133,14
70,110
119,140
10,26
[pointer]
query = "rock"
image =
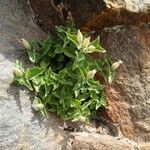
x,y
95,141
20,126
129,96
144,146
47,14
91,15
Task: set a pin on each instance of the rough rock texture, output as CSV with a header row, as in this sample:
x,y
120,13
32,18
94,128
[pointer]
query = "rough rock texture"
x,y
20,127
95,141
93,14
144,146
129,96
47,14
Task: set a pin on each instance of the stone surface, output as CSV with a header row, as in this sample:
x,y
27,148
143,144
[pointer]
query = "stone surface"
x,y
129,106
94,14
129,96
95,141
144,146
20,127
47,14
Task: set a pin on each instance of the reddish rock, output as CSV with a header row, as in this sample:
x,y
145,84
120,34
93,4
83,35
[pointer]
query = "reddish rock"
x,y
129,96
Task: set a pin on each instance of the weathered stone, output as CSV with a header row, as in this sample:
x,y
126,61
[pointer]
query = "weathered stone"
x,y
20,126
47,14
129,96
95,141
144,146
93,14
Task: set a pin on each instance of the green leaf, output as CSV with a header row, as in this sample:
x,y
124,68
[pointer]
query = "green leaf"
x,y
18,65
83,97
80,56
22,80
32,55
69,52
97,46
98,104
41,107
66,41
56,93
79,60
59,49
86,104
30,73
74,74
75,102
61,29
51,100
72,38
44,64
58,78
46,46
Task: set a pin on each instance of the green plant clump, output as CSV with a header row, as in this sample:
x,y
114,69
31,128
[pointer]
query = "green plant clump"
x,y
62,78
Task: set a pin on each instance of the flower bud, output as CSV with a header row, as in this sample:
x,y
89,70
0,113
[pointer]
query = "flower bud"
x,y
26,44
86,42
115,65
18,72
90,49
79,37
91,74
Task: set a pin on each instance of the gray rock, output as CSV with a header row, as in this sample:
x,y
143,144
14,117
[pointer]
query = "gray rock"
x,y
20,126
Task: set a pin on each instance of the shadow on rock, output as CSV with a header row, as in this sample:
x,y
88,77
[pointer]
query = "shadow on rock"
x,y
15,92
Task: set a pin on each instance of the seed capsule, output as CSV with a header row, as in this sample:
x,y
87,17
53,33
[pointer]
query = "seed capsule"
x,y
26,44
18,72
91,74
115,65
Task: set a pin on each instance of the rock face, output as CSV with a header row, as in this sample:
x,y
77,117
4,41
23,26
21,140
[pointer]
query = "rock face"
x,y
94,14
20,127
95,141
47,14
129,96
91,14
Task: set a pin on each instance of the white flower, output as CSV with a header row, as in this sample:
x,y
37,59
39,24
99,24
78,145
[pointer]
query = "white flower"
x,y
86,42
115,65
18,72
91,74
26,44
79,37
90,49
